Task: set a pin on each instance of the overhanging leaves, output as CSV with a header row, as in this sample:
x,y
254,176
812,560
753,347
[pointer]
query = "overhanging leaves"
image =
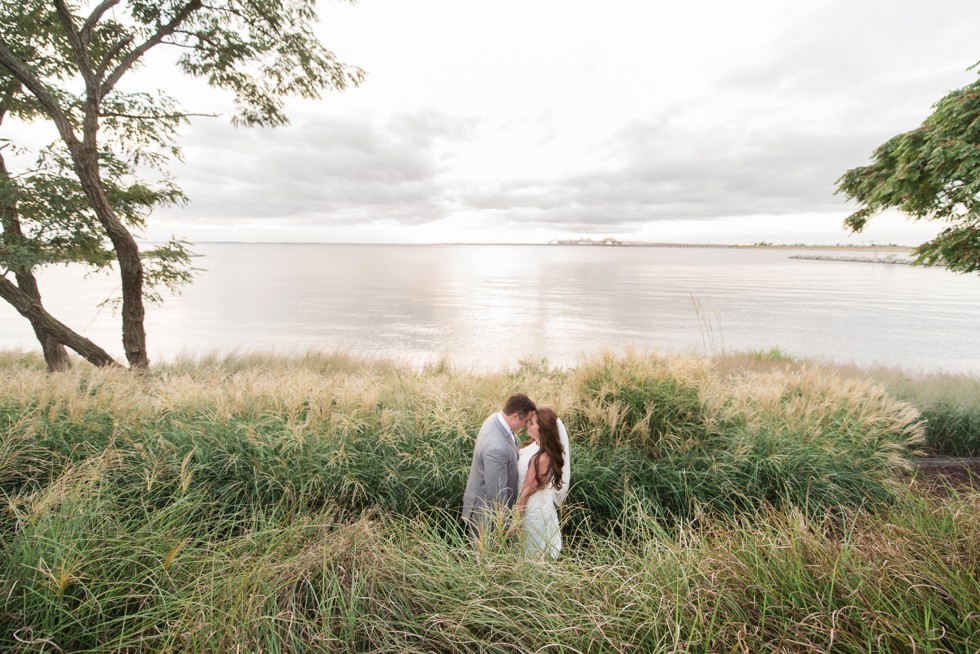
x,y
930,173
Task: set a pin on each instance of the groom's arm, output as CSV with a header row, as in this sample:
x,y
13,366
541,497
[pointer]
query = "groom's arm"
x,y
495,471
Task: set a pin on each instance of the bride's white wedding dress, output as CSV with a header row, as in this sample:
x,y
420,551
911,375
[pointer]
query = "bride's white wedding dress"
x,y
541,532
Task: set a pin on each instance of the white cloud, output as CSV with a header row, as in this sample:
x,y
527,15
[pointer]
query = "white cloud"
x,y
536,120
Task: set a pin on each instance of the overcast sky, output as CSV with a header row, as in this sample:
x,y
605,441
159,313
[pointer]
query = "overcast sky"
x,y
707,121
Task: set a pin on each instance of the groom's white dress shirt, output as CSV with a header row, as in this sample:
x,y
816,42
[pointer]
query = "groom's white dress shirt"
x,y
500,417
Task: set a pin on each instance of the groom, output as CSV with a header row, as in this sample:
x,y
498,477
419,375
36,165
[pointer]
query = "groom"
x,y
492,484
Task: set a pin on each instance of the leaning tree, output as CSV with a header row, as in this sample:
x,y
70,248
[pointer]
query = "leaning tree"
x,y
89,192
932,173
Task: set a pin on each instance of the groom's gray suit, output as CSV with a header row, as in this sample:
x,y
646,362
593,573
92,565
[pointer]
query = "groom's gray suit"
x,y
492,484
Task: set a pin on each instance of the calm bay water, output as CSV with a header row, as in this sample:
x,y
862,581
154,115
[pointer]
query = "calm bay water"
x,y
490,306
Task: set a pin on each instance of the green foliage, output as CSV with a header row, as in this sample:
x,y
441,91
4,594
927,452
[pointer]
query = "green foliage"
x,y
32,32
773,354
950,407
260,51
933,173
953,430
57,223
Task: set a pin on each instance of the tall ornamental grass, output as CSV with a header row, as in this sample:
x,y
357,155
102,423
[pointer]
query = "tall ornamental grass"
x,y
684,432
86,569
676,433
311,504
950,407
948,402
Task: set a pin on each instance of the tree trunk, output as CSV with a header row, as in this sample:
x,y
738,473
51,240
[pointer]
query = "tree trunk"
x,y
133,314
131,274
55,354
85,159
31,309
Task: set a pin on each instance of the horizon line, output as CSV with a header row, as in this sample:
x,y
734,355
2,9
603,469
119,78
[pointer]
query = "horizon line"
x,y
571,244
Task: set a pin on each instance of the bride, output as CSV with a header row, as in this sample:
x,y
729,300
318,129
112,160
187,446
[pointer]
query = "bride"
x,y
543,477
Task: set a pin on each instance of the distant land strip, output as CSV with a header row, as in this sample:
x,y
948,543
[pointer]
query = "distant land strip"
x,y
618,243
649,244
904,262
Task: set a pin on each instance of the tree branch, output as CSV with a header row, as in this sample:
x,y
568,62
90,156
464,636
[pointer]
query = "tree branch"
x,y
112,114
31,309
77,45
46,99
93,19
178,44
113,51
140,50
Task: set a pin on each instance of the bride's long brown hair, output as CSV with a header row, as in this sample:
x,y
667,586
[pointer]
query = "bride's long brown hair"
x,y
550,442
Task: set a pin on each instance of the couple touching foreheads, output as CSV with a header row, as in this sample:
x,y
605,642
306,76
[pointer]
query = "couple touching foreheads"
x,y
519,489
